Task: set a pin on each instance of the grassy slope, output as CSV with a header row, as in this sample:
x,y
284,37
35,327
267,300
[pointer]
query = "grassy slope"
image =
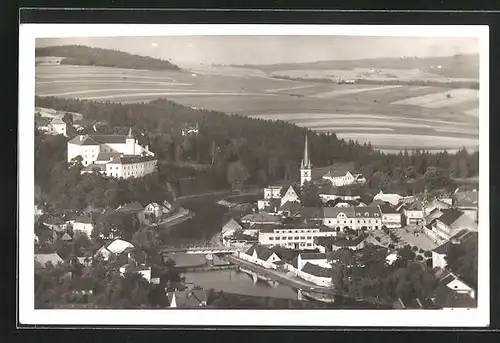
x,y
83,55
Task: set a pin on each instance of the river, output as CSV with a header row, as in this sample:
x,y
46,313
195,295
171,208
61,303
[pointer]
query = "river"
x,y
234,281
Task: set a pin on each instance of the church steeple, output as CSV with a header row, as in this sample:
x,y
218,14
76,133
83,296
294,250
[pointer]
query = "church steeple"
x,y
306,162
130,135
305,165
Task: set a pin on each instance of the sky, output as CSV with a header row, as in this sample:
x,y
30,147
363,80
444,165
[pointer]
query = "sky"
x,y
274,49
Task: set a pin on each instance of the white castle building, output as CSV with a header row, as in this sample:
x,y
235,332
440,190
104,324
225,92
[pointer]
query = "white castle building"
x,y
113,155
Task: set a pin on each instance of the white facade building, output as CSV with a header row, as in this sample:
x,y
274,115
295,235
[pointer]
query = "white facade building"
x,y
290,196
344,180
353,218
293,236
272,192
114,155
57,127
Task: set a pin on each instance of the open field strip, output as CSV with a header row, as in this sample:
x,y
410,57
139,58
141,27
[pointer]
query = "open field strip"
x,y
276,90
102,82
445,103
125,96
352,128
348,122
474,112
470,131
100,76
411,141
463,94
309,116
341,92
112,90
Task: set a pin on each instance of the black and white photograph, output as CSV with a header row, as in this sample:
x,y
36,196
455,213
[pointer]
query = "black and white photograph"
x,y
241,171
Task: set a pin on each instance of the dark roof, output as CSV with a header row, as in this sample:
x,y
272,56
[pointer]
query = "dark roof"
x,y
70,216
316,270
85,218
51,220
295,262
265,227
291,206
340,242
442,249
450,216
367,211
106,156
83,140
415,206
91,167
313,256
263,252
386,208
311,212
446,297
333,212
109,139
42,121
130,159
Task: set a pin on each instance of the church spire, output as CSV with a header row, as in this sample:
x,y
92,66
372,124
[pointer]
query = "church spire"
x,y
306,162
130,135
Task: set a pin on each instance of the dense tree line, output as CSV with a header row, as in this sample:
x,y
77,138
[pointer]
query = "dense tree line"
x,y
268,151
84,55
368,276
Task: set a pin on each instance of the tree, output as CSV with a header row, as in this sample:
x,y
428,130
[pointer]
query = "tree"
x,y
145,239
237,174
380,181
68,118
310,195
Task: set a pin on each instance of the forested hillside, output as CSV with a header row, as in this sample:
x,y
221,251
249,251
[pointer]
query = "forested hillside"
x,y
84,55
238,150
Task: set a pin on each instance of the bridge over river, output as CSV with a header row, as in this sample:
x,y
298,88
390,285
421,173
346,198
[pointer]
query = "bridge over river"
x,y
206,250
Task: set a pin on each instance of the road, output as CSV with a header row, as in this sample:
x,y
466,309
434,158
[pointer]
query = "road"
x,y
280,277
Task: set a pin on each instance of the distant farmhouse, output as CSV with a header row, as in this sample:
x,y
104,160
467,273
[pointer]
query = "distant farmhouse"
x,y
113,155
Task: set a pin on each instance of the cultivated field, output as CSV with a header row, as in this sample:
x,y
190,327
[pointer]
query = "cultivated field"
x,y
390,117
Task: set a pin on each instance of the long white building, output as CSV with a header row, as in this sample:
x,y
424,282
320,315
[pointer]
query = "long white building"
x,y
113,155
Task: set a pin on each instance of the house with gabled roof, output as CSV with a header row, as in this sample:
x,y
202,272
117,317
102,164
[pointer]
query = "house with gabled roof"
x,y
116,247
261,255
260,218
290,208
53,223
156,210
452,292
414,212
393,199
57,127
316,274
41,260
467,202
134,207
291,195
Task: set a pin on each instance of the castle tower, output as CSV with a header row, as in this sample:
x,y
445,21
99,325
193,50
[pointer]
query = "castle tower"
x,y
305,165
130,142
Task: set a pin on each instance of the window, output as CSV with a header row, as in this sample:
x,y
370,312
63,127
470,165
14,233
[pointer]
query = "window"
x,y
277,238
350,221
309,244
290,238
302,237
309,237
271,238
302,244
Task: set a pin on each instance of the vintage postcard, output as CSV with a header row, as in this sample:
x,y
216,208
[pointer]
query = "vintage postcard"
x,y
241,175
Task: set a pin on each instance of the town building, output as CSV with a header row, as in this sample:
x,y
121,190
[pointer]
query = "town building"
x,y
291,195
117,156
414,212
114,248
452,292
439,254
339,218
156,210
316,274
57,127
293,235
345,195
344,180
84,224
444,227
188,298
391,218
135,208
260,218
330,244
467,202
261,255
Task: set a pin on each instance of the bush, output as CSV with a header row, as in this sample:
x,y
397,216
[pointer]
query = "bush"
x,y
420,258
421,251
391,246
428,254
377,238
415,248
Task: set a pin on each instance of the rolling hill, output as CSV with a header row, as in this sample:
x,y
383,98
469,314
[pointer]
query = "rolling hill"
x,y
84,55
457,66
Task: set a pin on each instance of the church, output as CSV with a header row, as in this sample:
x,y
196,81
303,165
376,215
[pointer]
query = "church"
x,y
112,155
